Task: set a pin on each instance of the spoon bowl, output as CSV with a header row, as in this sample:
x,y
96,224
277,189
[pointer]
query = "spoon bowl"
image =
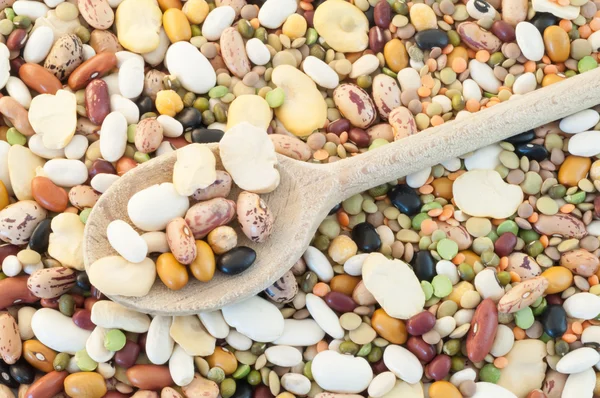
x,y
307,192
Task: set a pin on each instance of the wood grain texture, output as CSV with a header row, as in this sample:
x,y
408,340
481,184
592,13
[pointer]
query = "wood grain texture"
x,y
307,191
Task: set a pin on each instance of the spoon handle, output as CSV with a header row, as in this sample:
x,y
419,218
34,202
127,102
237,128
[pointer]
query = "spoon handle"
x,y
458,137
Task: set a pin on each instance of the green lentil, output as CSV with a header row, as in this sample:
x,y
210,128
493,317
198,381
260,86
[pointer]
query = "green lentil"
x,y
364,350
66,304
451,347
375,355
141,157
85,213
114,340
84,362
427,289
14,137
201,104
377,142
418,219
307,370
508,226
241,372
6,27
275,98
447,249
524,318
503,278
489,373
228,388
349,347
586,63
442,285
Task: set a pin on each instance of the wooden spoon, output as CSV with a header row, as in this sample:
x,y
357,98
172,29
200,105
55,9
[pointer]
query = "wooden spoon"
x,y
309,191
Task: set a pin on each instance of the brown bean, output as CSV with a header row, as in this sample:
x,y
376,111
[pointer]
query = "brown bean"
x,y
95,67
17,114
48,385
16,39
483,330
438,368
15,66
421,323
127,356
425,352
149,377
86,127
104,41
83,319
39,79
10,340
359,137
38,355
14,291
49,195
203,217
97,101
181,241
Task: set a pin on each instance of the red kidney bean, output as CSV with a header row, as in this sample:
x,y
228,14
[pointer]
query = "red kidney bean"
x,y
382,14
438,368
8,250
379,367
83,319
15,65
504,31
50,303
149,377
16,39
483,330
100,166
48,385
376,39
97,101
359,137
262,391
337,127
420,324
505,244
340,302
554,299
14,291
127,356
425,352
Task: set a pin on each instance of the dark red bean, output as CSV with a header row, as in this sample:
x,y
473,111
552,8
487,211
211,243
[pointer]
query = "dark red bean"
x,y
425,352
309,16
15,66
337,127
142,341
376,39
101,166
127,356
16,40
177,142
340,302
420,324
115,394
50,303
483,330
83,319
505,244
79,300
8,250
262,391
554,299
382,14
379,367
503,31
438,368
359,137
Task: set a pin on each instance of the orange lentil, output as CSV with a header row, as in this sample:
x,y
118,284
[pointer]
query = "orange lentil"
x,y
443,90
448,49
566,25
561,66
424,92
255,23
446,214
434,212
533,218
595,24
427,81
393,28
577,328
472,104
593,280
321,289
517,331
498,221
429,180
459,65
514,277
500,362
437,120
503,263
71,210
482,56
428,226
432,64
569,207
597,14
584,31
424,106
453,176
322,346
459,259
569,338
426,189
548,69
343,218
448,19
546,60
471,53
530,66
504,88
306,6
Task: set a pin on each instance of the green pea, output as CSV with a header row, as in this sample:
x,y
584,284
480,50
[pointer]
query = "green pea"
x,y
261,34
503,278
307,370
364,81
254,378
259,348
454,37
430,206
311,36
389,72
22,21
85,213
586,63
131,133
496,59
375,355
349,347
458,103
321,242
465,271
538,310
275,97
188,99
318,52
561,348
576,198
427,289
6,27
457,364
245,29
241,372
114,340
201,103
570,73
557,191
451,347
309,280
141,157
489,373
66,304
489,258
218,91
364,350
418,219
524,318
228,388
14,137
84,362
61,361
400,7
528,235
196,31
353,205
507,226
208,117
535,248
10,13
447,249
442,286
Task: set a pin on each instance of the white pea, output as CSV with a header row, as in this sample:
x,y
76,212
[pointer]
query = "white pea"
x,y
11,266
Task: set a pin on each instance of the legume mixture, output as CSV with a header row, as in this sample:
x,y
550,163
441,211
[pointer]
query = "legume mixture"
x,y
476,278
